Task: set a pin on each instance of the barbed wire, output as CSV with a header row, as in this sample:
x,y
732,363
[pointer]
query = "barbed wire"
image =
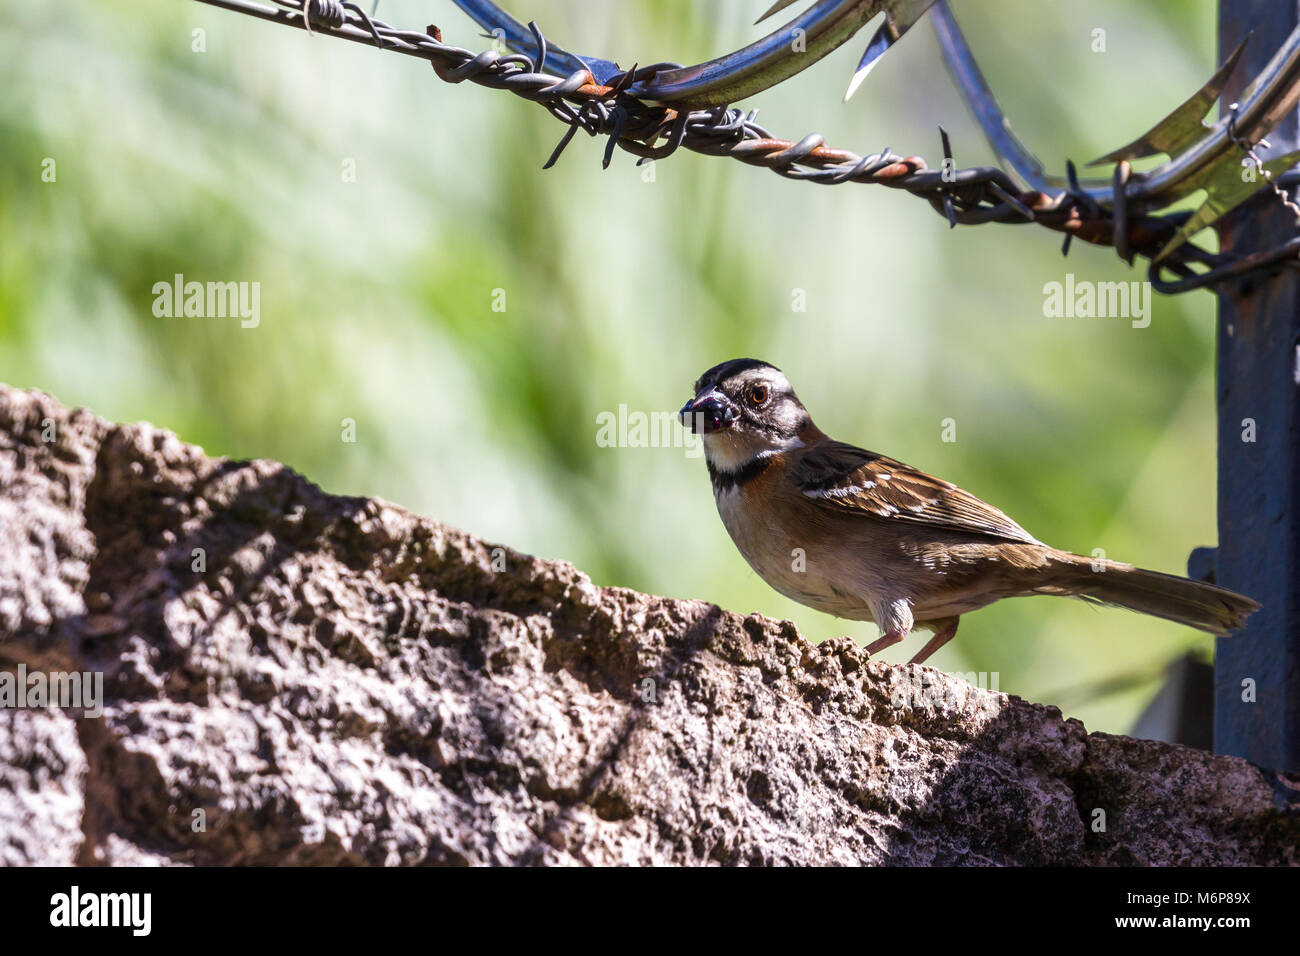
x,y
970,196
1252,156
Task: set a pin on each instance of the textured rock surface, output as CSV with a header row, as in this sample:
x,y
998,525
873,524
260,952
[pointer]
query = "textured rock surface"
x,y
320,679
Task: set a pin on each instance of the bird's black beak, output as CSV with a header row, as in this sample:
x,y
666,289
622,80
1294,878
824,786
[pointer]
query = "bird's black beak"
x,y
709,411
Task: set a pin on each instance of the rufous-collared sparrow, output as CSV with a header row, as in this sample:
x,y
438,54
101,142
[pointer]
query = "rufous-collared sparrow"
x,y
861,536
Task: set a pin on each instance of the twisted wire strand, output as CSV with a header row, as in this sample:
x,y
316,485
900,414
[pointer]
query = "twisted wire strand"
x,y
970,196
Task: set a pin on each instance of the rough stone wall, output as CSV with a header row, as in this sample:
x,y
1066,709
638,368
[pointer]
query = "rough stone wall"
x,y
340,681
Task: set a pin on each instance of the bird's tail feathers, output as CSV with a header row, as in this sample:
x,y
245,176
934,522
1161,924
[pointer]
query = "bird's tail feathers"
x,y
1206,607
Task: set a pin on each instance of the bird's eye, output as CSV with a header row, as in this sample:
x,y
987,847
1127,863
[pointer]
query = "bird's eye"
x,y
758,394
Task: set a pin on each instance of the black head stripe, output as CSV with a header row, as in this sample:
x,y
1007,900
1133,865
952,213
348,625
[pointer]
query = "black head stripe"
x,y
725,370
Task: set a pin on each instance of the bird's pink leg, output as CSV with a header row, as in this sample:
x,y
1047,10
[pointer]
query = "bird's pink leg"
x,y
942,635
888,639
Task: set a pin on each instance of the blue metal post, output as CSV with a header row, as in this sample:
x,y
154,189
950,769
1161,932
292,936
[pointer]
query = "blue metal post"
x,y
1257,672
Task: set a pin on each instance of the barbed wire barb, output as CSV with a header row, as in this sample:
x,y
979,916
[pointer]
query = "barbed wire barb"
x,y
656,130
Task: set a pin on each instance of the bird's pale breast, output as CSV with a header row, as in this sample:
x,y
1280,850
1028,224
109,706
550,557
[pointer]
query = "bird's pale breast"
x,y
801,564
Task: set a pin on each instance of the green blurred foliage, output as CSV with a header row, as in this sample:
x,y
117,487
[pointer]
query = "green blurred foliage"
x,y
377,294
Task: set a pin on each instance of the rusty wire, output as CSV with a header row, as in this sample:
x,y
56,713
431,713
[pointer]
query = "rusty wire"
x,y
970,196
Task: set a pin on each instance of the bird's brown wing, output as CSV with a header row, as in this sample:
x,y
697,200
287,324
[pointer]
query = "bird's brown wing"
x,y
845,478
